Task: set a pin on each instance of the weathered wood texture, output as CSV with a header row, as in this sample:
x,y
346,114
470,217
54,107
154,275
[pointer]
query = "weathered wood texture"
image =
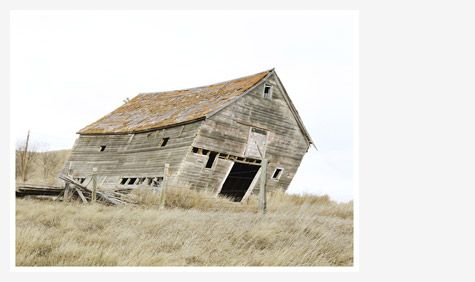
x,y
229,130
130,155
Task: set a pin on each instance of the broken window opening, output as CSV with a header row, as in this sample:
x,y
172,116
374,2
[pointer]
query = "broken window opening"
x,y
123,181
277,173
80,179
132,181
267,91
164,141
102,148
156,181
211,158
213,155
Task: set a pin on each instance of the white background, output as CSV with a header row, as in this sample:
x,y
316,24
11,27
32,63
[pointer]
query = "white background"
x,y
416,143
68,69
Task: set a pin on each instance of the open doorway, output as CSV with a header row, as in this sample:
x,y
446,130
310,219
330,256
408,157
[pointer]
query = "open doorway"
x,y
238,181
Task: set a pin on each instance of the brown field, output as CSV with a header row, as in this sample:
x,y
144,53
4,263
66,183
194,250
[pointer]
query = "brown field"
x,y
193,230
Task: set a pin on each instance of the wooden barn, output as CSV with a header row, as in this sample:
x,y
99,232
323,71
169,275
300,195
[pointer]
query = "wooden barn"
x,y
213,137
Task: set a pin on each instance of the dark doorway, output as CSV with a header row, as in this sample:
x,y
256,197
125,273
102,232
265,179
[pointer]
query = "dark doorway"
x,y
238,181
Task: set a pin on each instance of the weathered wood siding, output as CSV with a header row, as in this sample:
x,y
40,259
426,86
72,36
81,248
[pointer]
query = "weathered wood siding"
x,y
132,155
228,131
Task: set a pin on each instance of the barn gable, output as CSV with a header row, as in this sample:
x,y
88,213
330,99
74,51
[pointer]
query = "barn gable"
x,y
278,92
238,134
151,111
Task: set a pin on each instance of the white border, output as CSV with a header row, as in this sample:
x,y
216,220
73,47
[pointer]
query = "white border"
x,y
354,268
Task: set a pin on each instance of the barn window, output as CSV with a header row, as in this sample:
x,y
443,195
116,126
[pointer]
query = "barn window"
x,y
164,141
211,158
80,179
102,148
277,173
267,91
132,180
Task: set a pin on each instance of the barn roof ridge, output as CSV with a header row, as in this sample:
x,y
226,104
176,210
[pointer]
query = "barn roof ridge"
x,y
207,85
156,110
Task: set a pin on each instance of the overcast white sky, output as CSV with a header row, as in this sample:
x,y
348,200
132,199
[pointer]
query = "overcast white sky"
x,y
70,68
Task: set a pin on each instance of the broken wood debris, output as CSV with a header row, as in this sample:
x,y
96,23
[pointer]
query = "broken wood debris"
x,y
37,190
86,194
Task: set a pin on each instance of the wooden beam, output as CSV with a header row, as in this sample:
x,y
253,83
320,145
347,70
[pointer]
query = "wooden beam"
x,y
164,186
94,188
81,195
262,190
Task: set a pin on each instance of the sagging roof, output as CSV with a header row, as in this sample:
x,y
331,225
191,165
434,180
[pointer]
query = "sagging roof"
x,y
149,111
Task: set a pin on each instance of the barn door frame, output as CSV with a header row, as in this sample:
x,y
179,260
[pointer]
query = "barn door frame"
x,y
249,189
248,143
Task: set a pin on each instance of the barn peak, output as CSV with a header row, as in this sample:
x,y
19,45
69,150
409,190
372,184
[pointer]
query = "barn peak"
x,y
149,111
156,110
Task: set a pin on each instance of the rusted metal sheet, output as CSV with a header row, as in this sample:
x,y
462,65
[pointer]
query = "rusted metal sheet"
x,y
150,111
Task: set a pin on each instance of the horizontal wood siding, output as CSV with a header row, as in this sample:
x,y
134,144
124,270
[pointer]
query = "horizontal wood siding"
x,y
228,131
132,155
193,173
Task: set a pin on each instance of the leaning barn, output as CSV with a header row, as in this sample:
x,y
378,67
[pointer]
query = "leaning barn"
x,y
213,138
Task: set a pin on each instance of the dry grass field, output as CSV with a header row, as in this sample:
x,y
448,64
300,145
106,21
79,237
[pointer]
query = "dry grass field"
x,y
193,230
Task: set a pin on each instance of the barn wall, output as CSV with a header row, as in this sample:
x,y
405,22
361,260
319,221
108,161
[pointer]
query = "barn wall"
x,y
228,131
132,155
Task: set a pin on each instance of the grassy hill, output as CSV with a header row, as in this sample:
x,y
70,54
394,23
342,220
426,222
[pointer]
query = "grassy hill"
x,y
193,230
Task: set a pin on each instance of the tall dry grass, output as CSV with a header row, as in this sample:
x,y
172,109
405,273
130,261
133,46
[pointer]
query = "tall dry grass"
x,y
194,229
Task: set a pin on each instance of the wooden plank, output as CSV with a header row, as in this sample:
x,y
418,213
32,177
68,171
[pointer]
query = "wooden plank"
x,y
81,195
94,188
262,190
164,186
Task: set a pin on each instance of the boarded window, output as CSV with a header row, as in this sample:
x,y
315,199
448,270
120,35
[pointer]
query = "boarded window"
x,y
256,143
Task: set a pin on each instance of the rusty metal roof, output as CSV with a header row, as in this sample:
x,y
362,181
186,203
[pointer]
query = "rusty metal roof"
x,y
149,111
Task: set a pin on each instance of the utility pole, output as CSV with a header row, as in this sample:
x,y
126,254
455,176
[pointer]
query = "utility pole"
x,y
24,158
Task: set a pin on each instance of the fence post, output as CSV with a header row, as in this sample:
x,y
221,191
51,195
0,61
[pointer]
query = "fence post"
x,y
164,186
67,192
262,190
94,185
